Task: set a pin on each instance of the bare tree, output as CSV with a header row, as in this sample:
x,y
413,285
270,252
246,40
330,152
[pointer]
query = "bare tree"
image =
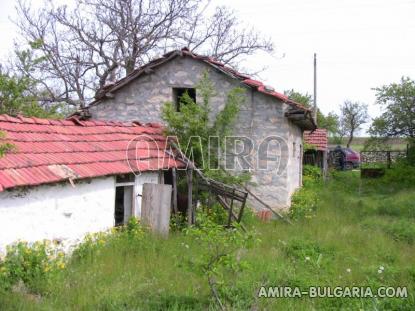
x,y
84,47
353,116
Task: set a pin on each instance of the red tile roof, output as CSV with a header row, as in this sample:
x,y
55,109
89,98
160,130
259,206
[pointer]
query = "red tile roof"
x,y
318,138
47,151
245,79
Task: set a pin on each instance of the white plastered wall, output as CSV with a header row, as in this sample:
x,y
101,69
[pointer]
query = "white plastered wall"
x,y
58,211
61,211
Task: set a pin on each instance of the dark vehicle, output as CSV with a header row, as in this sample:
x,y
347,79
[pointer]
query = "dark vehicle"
x,y
344,158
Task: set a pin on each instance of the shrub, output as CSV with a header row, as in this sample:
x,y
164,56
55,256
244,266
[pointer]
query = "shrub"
x,y
220,256
402,174
303,204
93,243
312,172
304,200
31,264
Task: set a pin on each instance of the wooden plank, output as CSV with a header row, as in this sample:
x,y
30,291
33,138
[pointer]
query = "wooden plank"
x,y
241,212
230,214
227,207
156,207
174,194
189,174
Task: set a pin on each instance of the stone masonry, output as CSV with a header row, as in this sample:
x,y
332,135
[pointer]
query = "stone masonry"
x,y
260,116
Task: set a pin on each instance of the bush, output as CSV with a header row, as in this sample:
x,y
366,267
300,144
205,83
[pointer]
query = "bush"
x,y
304,201
303,204
220,258
402,174
31,264
92,244
313,172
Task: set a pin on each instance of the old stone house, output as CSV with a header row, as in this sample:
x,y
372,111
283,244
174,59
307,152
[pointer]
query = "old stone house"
x,y
267,118
66,178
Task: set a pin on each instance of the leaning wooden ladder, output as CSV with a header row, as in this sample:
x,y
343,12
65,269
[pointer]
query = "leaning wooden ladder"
x,y
225,194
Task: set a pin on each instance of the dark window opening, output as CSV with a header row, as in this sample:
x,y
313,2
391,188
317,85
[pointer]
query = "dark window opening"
x,y
123,204
125,178
168,177
179,92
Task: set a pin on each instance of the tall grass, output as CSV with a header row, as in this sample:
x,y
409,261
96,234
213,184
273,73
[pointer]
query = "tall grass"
x,y
359,226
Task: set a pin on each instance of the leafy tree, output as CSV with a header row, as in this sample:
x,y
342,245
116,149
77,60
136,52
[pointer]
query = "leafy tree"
x,y
353,116
398,118
17,97
193,128
329,122
303,99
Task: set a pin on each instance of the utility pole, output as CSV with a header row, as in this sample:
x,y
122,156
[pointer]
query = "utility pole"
x,y
315,88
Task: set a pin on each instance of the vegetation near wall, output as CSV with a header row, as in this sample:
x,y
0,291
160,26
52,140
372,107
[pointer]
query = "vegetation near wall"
x,y
361,233
304,201
192,127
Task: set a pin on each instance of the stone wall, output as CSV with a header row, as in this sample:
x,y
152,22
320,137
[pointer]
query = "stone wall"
x,y
260,116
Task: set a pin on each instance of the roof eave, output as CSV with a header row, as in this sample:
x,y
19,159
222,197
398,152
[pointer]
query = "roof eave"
x,y
302,118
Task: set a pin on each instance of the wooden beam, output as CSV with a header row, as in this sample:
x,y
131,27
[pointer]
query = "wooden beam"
x,y
228,208
231,213
242,208
189,174
174,192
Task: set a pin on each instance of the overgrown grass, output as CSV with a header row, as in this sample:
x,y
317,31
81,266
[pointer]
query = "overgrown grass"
x,y
358,226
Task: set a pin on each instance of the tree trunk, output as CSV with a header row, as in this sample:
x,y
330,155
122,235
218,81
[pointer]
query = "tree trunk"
x,y
350,139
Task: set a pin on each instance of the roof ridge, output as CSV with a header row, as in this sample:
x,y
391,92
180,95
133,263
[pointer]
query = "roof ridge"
x,y
226,69
81,163
74,121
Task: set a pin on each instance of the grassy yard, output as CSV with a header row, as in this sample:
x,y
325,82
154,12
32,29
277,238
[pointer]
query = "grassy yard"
x,y
358,143
358,227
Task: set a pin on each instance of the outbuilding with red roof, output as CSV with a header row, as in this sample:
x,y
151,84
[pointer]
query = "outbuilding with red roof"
x,y
316,148
65,178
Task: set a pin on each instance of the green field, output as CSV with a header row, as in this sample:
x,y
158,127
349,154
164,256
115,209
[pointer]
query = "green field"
x,y
359,142
358,228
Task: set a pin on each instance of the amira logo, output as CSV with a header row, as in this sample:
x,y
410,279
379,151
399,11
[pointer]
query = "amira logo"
x,y
139,154
239,153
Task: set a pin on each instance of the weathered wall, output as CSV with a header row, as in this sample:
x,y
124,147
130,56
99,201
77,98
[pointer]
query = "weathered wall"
x,y
57,211
259,117
63,212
